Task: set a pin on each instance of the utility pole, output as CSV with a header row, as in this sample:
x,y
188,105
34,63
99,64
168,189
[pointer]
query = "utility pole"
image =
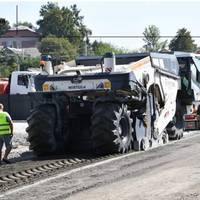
x,y
16,19
18,65
85,46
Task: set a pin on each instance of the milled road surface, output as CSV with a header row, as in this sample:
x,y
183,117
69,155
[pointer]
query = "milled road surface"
x,y
168,172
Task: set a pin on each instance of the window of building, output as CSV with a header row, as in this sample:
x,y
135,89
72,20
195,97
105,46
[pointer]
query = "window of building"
x,y
4,44
14,44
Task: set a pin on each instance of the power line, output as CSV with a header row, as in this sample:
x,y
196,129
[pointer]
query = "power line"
x,y
137,36
132,36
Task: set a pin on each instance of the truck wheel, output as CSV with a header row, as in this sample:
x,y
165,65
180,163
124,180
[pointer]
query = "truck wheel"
x,y
41,124
111,128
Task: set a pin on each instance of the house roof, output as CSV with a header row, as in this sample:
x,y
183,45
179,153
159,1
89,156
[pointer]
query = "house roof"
x,y
21,28
21,31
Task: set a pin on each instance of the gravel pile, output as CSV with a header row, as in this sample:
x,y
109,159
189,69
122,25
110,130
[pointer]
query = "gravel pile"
x,y
20,134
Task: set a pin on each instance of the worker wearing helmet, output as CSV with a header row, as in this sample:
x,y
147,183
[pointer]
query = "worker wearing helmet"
x,y
6,133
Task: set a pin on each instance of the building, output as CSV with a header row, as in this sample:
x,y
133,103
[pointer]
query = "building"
x,y
21,37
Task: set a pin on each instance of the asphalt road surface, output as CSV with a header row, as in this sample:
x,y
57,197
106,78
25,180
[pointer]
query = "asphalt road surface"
x,y
168,172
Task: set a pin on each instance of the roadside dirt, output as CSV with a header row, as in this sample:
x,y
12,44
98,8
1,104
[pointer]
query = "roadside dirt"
x,y
166,182
175,176
168,172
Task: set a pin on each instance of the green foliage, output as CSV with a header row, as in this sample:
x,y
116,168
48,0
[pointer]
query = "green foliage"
x,y
10,62
63,22
58,48
182,41
7,64
152,39
4,27
28,24
28,62
100,48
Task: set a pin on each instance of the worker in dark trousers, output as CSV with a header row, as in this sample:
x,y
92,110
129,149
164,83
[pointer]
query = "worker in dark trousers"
x,y
6,134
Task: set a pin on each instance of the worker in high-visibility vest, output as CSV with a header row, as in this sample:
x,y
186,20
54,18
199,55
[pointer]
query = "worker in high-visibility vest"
x,y
6,134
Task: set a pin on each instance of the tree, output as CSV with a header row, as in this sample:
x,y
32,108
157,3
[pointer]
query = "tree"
x,y
152,39
182,41
4,26
28,62
58,48
63,22
100,48
8,63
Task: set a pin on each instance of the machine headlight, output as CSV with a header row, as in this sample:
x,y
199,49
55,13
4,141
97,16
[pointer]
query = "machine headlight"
x,y
107,84
45,87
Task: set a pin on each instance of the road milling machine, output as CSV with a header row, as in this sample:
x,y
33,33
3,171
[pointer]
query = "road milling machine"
x,y
120,103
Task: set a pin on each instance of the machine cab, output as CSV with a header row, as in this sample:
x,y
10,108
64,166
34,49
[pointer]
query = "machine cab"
x,y
189,71
22,82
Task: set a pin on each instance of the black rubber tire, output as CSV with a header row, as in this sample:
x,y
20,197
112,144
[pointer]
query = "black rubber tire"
x,y
112,130
143,145
41,125
178,131
165,137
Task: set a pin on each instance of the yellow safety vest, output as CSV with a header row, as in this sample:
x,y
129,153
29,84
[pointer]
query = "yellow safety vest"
x,y
4,124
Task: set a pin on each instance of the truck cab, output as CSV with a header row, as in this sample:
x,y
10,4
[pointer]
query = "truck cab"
x,y
22,82
14,93
189,72
189,89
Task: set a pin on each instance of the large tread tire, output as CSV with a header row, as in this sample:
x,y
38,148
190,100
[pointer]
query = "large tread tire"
x,y
41,125
112,130
177,123
174,130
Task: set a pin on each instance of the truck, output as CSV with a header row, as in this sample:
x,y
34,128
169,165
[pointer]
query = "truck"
x,y
191,121
189,90
126,105
14,93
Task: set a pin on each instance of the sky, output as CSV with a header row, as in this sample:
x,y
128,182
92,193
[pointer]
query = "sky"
x,y
119,18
